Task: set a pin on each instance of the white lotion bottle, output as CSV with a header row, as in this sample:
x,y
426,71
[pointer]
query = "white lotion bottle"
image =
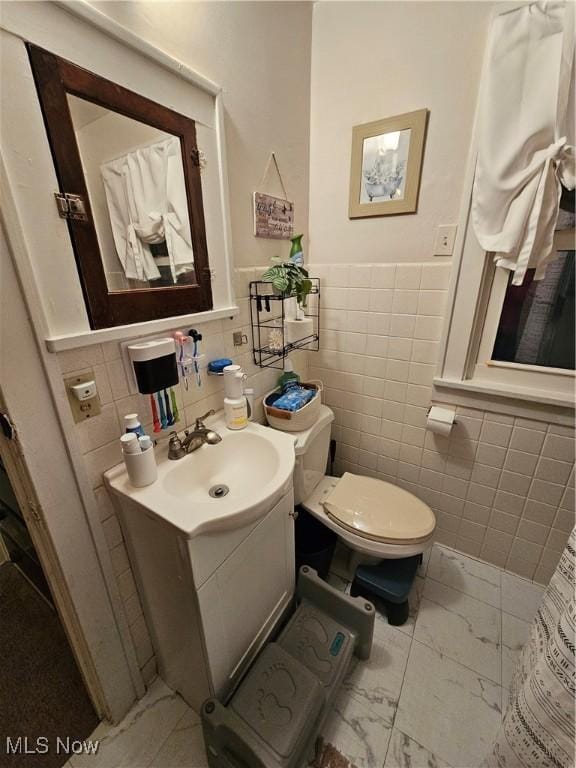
x,y
236,412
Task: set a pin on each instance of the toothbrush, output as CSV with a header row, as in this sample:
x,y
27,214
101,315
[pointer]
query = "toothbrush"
x,y
174,406
196,366
169,417
163,419
157,426
196,338
180,339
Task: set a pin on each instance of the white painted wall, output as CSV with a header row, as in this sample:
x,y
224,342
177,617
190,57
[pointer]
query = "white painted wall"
x,y
372,60
260,54
29,163
500,487
33,409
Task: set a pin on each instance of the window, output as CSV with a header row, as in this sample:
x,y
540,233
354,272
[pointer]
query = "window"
x,y
516,341
537,319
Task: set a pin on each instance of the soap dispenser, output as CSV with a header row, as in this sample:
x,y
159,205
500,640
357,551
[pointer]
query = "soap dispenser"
x,y
235,403
288,375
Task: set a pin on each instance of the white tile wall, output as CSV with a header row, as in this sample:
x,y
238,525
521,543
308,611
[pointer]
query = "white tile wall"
x,y
502,488
98,437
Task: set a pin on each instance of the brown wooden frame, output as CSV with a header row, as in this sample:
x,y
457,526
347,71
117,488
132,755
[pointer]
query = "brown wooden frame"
x,y
54,78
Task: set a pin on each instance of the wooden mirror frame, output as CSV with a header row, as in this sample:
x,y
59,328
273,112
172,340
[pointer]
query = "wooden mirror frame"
x,y
54,78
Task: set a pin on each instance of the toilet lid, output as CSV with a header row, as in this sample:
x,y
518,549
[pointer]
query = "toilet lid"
x,y
379,510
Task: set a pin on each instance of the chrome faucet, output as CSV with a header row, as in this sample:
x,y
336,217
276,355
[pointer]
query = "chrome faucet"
x,y
178,448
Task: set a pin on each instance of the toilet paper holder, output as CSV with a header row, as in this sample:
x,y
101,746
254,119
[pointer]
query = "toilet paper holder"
x,y
428,414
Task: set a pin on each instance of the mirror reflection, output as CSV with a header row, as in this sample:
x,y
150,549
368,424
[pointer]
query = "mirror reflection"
x,y
135,180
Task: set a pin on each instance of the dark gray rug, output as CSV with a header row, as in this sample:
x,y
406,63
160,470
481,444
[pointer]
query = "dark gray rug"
x,y
42,694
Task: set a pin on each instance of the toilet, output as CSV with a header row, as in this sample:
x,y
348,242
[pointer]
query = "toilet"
x,y
376,519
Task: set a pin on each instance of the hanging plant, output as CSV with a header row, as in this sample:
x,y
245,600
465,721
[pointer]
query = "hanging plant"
x,y
289,279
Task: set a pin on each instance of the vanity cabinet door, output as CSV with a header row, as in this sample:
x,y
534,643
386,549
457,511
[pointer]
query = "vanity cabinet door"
x,y
242,601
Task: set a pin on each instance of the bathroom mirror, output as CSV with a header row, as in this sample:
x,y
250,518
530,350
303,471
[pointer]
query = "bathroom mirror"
x,y
129,175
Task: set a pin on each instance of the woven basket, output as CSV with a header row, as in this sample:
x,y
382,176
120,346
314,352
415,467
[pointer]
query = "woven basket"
x,y
295,421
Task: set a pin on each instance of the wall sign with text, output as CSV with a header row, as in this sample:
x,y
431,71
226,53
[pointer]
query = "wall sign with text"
x,y
273,217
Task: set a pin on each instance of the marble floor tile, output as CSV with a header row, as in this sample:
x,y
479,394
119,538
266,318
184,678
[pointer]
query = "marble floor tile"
x,y
376,682
462,628
134,742
515,633
357,732
404,752
448,709
432,694
184,747
465,574
520,597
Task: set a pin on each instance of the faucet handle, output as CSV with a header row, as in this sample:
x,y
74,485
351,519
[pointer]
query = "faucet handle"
x,y
175,448
200,420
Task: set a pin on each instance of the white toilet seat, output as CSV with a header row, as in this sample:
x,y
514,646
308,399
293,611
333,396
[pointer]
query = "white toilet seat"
x,y
373,544
379,510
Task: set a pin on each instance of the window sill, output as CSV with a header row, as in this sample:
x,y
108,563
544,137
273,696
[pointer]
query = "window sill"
x,y
533,403
87,338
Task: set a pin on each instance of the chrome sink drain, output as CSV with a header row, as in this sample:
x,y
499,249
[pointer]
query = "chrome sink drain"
x,y
219,491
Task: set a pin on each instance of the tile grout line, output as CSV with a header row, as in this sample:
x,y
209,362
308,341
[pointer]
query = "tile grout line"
x,y
184,714
499,609
404,674
458,663
466,594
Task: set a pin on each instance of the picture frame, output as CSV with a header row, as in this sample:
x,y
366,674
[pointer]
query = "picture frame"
x,y
386,165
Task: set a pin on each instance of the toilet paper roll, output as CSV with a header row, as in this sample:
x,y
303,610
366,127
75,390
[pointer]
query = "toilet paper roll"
x,y
440,420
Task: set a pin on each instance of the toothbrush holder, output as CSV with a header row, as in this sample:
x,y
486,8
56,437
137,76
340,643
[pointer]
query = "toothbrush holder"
x,y
141,467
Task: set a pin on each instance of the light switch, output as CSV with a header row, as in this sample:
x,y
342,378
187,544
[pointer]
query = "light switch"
x,y
444,240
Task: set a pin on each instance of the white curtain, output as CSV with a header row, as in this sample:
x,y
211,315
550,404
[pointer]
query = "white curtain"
x,y
538,727
523,150
147,203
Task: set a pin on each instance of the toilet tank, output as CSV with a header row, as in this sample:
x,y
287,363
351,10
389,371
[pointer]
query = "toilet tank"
x,y
312,446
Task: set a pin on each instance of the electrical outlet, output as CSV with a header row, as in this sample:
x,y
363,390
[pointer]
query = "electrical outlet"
x,y
444,240
83,404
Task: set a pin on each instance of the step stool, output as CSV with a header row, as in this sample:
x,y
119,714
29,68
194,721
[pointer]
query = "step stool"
x,y
273,718
391,581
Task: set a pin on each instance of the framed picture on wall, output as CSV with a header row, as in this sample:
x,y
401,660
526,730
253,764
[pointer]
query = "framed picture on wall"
x,y
386,165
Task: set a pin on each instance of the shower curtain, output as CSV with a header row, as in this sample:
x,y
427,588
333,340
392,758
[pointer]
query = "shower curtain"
x,y
538,727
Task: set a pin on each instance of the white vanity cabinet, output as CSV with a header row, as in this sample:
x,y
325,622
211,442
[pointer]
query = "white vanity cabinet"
x,y
211,601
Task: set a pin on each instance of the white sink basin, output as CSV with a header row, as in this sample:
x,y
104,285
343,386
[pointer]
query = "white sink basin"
x,y
246,473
